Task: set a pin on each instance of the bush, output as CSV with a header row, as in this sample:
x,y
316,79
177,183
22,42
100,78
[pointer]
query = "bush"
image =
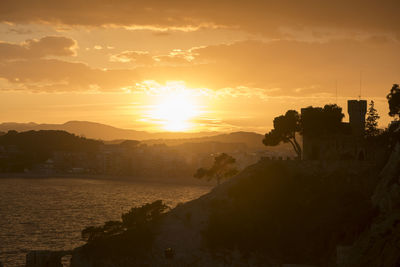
x,y
136,219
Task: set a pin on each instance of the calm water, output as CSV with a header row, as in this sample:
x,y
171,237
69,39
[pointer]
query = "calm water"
x,y
50,213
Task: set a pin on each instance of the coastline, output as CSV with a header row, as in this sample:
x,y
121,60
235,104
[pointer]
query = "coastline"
x,y
177,180
69,203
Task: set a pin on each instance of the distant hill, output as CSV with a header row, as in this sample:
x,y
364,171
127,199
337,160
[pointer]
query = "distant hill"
x,y
110,134
23,151
99,131
250,139
37,142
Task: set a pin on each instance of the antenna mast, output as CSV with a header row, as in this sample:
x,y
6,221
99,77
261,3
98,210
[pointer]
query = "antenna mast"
x,y
359,96
336,91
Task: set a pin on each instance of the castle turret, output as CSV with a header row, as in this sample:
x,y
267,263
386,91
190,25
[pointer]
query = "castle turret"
x,y
357,110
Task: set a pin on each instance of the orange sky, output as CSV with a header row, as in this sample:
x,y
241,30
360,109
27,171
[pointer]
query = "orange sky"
x,y
192,65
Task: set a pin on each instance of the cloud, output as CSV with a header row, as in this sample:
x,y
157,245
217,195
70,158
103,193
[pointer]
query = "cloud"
x,y
20,31
56,75
280,68
297,68
138,57
38,48
174,57
259,16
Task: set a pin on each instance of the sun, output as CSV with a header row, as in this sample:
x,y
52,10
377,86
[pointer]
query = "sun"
x,y
175,111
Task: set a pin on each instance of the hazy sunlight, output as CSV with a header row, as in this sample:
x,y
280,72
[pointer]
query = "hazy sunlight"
x,y
175,110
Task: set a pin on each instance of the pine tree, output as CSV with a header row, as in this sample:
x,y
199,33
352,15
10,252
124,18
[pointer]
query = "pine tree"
x,y
371,125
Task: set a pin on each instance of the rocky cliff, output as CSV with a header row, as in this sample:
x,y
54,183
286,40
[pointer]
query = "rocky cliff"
x,y
379,245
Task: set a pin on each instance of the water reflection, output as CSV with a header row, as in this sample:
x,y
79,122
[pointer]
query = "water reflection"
x,y
50,213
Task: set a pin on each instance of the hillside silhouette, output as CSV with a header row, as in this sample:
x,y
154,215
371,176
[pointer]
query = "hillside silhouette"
x,y
25,149
114,135
48,141
55,152
250,139
96,130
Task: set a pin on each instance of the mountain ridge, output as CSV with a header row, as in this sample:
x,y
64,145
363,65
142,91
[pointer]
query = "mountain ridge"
x,y
97,130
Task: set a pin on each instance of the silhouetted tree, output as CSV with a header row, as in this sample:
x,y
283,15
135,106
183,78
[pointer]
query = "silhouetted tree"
x,y
285,129
222,168
316,121
371,124
394,101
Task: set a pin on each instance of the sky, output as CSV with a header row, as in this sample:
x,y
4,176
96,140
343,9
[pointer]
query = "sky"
x,y
196,65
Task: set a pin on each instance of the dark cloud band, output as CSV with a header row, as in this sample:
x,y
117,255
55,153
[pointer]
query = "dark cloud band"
x,y
38,48
261,16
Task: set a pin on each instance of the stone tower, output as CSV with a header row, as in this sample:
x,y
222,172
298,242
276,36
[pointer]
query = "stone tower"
x,y
357,110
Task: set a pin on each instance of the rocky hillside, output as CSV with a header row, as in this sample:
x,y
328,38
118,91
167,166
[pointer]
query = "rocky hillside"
x,y
273,213
379,245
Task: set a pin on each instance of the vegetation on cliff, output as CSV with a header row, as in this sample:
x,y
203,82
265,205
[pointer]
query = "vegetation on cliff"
x,y
130,238
394,101
285,129
222,168
371,122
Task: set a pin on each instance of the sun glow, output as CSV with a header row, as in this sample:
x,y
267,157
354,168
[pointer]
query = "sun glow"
x,y
175,109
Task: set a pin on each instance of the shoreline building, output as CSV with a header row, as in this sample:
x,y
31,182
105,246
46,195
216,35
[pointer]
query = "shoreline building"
x,y
347,142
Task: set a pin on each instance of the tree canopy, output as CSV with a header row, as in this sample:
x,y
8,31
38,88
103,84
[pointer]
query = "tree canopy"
x,y
285,128
394,101
223,167
321,121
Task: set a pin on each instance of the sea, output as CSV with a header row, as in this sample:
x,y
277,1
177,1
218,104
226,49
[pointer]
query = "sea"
x,y
50,213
